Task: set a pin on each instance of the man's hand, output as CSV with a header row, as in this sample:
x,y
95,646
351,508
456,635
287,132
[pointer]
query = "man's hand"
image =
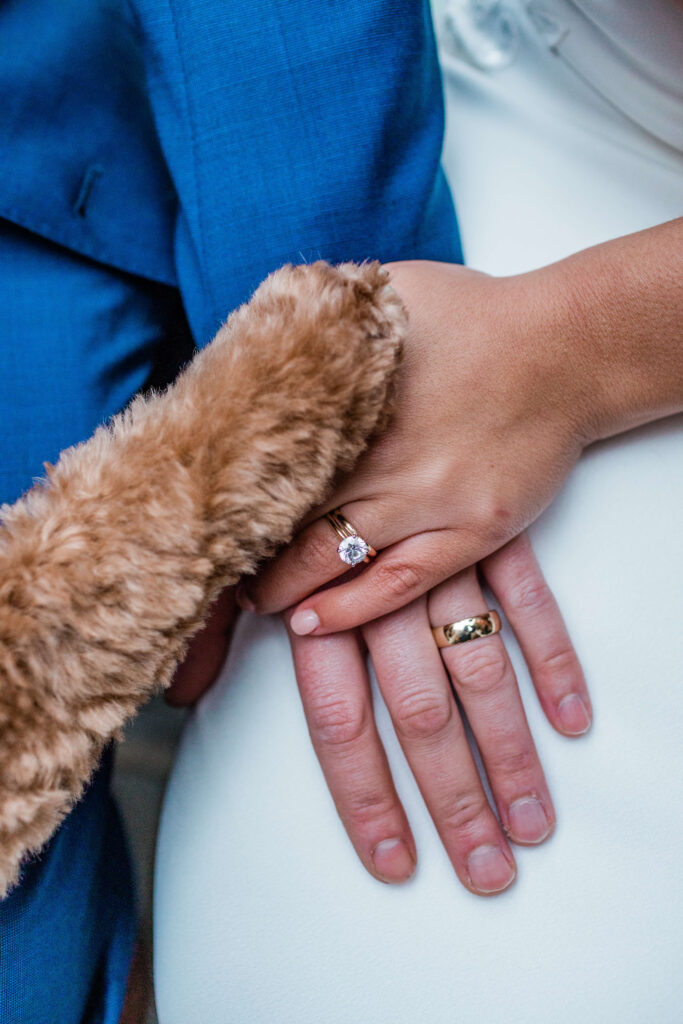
x,y
418,683
205,655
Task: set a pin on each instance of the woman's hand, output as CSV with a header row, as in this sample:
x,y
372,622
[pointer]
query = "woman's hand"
x,y
418,683
490,417
505,380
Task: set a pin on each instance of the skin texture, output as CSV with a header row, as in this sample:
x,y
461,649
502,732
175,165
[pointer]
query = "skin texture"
x,y
112,564
504,383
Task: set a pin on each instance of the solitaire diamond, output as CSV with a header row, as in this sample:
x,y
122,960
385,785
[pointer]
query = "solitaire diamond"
x,y
353,550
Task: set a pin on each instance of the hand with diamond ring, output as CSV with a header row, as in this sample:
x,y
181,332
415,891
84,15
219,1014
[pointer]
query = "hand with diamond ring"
x,y
505,381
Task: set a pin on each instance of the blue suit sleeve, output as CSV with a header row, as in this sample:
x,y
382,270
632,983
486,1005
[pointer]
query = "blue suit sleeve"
x,y
295,130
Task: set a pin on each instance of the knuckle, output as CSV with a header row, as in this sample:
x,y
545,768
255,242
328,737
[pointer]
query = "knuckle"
x,y
420,716
466,814
561,661
498,519
514,761
320,551
482,669
370,805
336,721
397,579
502,519
529,594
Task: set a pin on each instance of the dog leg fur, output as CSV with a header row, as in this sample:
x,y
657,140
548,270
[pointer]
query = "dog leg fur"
x,y
108,567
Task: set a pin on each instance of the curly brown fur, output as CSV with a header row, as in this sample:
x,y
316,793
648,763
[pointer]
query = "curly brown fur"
x,y
109,566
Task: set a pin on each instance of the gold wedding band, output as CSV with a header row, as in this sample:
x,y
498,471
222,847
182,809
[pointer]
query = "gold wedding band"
x,y
352,548
473,628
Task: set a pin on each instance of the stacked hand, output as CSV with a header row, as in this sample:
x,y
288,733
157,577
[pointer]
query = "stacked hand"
x,y
479,444
504,382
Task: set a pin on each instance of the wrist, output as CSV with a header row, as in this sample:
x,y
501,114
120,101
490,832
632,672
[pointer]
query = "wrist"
x,y
585,371
557,346
612,318
607,371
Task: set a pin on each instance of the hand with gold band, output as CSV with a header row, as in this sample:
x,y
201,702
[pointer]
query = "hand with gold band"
x,y
427,690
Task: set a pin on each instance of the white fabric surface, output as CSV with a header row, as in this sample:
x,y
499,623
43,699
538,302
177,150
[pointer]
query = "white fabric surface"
x,y
264,915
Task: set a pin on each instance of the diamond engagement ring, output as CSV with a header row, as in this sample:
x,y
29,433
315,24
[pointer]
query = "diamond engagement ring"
x,y
352,549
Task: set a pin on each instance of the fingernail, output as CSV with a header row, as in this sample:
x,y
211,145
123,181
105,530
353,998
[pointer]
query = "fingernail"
x,y
489,870
243,599
393,861
304,622
573,715
528,820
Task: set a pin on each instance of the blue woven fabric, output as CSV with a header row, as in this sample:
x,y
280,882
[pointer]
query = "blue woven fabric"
x,y
296,130
201,144
80,160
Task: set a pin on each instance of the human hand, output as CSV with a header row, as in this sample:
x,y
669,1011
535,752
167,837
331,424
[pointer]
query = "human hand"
x,y
505,381
492,411
415,680
205,654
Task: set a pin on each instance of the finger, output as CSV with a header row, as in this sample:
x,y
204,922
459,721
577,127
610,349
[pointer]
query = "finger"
x,y
335,692
312,559
427,722
485,682
399,575
205,654
516,579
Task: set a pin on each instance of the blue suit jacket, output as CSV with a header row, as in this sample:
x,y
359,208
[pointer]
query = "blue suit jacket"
x,y
153,149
